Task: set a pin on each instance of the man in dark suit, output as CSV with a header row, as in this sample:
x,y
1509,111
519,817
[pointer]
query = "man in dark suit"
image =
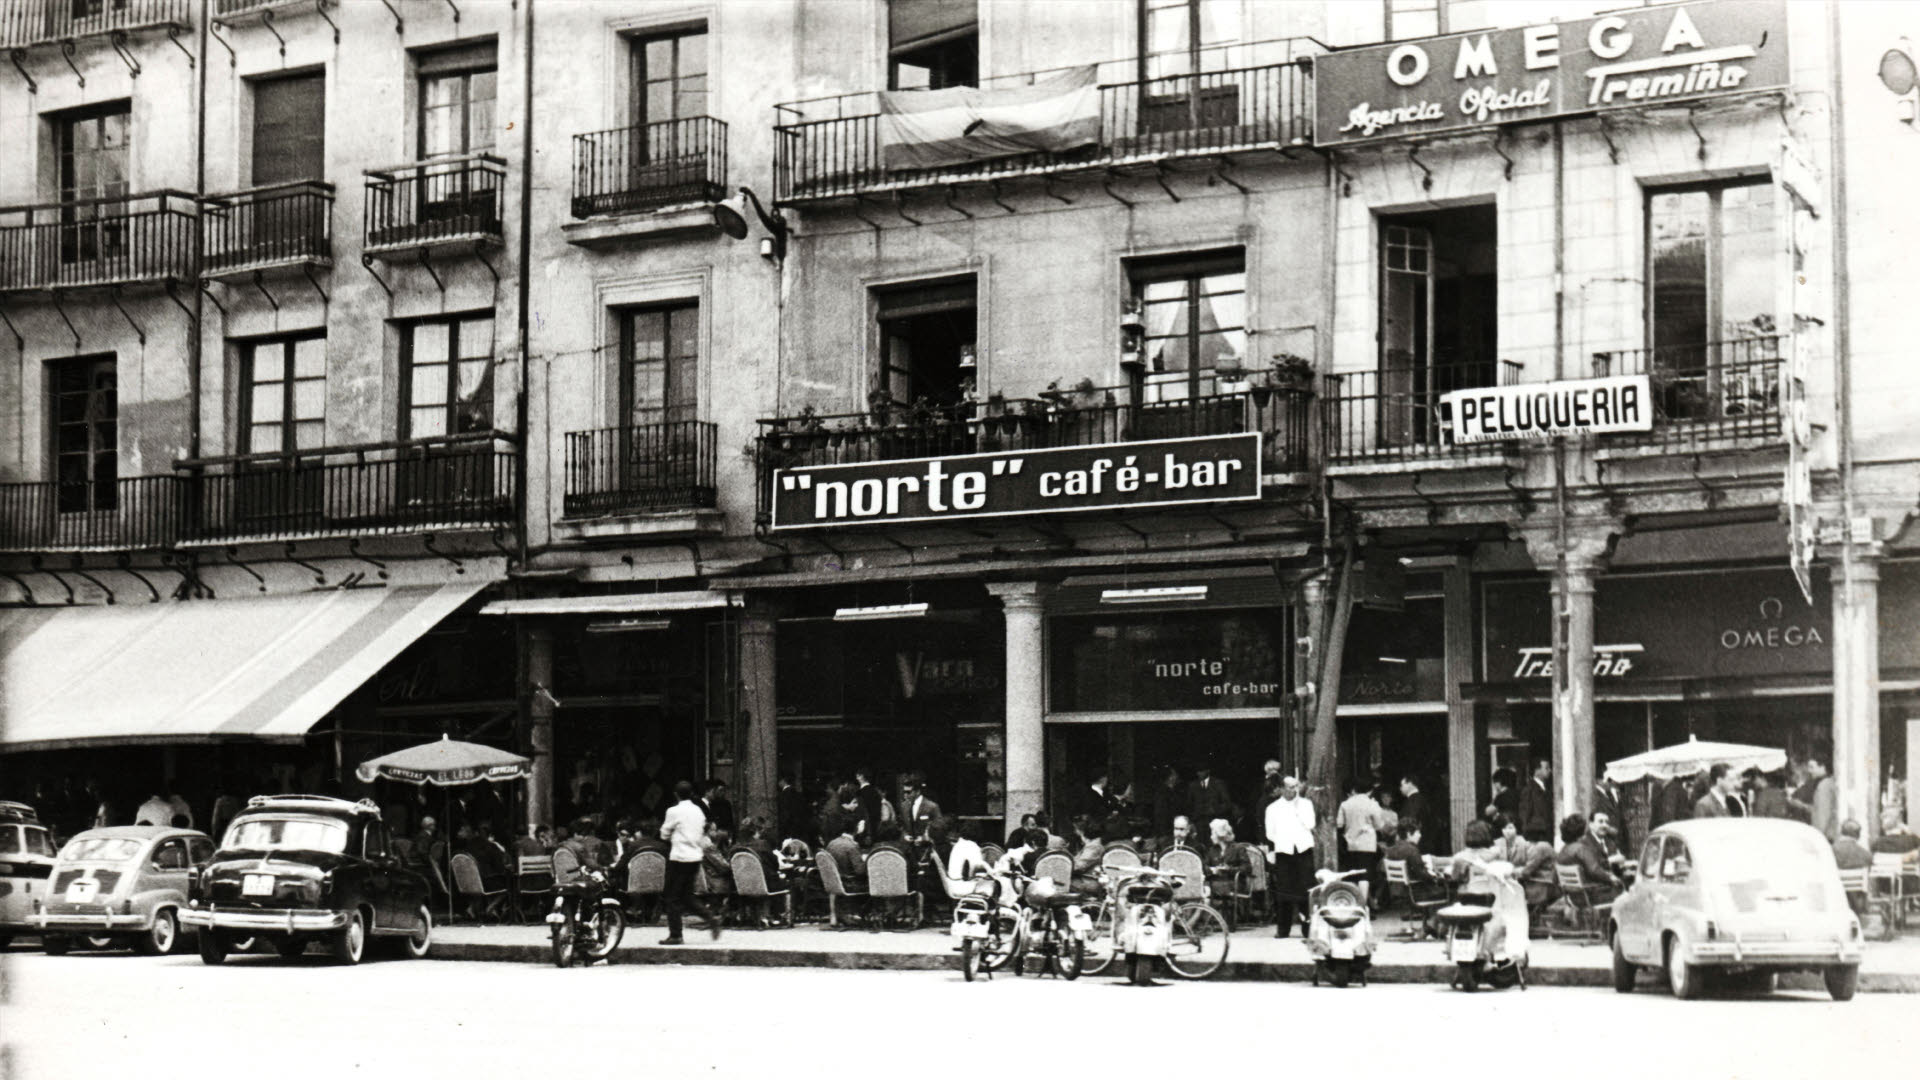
x,y
1208,798
918,811
1674,802
1414,807
1536,803
871,800
1098,803
793,816
1721,799
1580,848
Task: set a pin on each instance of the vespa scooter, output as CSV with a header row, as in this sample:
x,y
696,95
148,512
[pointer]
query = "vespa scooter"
x,y
1485,930
1144,925
1340,932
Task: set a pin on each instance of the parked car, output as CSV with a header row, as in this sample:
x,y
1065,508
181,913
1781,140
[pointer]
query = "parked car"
x,y
1739,897
299,869
121,886
26,863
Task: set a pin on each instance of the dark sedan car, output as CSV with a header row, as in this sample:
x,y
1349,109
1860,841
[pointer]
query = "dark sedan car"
x,y
296,869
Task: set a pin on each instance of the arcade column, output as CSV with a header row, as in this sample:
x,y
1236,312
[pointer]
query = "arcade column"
x,y
1026,685
1856,685
760,751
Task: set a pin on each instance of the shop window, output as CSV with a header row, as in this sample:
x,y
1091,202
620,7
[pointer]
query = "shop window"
x,y
659,364
932,44
1395,656
90,152
84,403
289,128
1710,297
1166,662
927,335
1439,311
1194,314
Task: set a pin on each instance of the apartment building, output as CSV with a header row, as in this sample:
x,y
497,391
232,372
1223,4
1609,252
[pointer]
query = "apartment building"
x,y
1004,428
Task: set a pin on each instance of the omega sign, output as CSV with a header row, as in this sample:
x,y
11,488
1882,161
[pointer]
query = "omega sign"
x,y
1159,472
1632,58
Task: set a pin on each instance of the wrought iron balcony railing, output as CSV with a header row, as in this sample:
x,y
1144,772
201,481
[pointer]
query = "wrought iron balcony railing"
x,y
1246,96
650,166
128,514
439,201
643,467
1396,414
280,225
93,242
1283,415
1708,393
415,485
36,22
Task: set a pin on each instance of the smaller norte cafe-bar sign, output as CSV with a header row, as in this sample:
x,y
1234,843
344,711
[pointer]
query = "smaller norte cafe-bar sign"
x,y
1161,472
1479,79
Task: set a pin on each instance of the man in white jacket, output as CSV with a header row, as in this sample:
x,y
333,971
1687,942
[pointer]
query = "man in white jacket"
x,y
1290,831
683,829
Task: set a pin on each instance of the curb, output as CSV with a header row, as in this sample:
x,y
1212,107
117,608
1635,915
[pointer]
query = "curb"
x,y
1243,971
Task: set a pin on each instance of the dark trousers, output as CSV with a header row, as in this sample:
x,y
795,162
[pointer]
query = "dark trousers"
x,y
1291,881
681,877
1375,876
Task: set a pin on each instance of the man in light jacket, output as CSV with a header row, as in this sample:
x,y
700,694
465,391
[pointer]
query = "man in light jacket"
x,y
1290,830
684,830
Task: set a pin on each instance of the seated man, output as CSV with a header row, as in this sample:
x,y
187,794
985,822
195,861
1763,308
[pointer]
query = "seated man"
x,y
1086,862
1181,837
846,854
1421,884
1536,875
1579,847
1848,852
1895,838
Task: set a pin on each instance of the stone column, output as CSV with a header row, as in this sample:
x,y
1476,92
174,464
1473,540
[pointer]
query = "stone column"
x,y
1313,599
759,710
1024,602
540,720
1856,687
1463,757
1587,542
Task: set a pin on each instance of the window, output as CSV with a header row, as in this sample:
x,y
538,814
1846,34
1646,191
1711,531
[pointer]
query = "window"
x,y
1677,866
456,100
374,840
284,383
1194,311
659,364
170,855
1710,298
199,850
85,433
289,129
927,335
1414,18
932,44
449,377
90,148
1181,37
670,76
1438,316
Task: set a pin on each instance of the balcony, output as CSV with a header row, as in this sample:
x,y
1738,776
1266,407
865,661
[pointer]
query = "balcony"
x,y
40,22
412,486
645,468
648,167
1089,417
1714,395
427,204
1247,97
1393,417
128,240
280,225
129,514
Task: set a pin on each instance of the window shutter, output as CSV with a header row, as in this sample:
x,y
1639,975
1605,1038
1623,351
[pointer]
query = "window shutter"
x,y
914,23
289,129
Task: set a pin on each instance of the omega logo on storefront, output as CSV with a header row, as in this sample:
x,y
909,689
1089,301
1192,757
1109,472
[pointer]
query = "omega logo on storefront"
x,y
1773,635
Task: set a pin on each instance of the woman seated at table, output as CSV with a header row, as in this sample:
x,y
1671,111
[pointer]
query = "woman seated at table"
x,y
1227,859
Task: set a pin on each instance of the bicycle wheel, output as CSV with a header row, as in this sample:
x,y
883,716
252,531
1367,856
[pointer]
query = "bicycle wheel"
x,y
609,926
1199,943
1101,946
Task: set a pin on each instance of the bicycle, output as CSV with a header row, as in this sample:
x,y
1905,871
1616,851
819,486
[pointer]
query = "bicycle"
x,y
1196,940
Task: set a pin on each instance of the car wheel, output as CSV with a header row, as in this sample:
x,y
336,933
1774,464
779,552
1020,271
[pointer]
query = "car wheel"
x,y
289,947
213,947
160,938
1623,971
349,943
418,942
241,944
1682,978
6,941
1842,981
55,944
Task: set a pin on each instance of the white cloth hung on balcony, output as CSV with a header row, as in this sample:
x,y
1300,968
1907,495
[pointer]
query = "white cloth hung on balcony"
x,y
925,129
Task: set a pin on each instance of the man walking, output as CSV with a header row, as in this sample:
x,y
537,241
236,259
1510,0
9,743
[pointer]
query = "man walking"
x,y
683,829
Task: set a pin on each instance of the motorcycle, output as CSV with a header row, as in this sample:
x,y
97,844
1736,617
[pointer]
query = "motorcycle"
x,y
1144,929
1485,931
1054,925
1340,932
987,928
587,921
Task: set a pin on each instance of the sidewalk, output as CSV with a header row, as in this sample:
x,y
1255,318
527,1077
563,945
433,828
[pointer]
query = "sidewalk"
x,y
1254,954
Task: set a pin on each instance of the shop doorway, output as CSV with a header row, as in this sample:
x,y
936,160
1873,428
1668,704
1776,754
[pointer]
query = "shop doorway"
x,y
1385,749
1139,757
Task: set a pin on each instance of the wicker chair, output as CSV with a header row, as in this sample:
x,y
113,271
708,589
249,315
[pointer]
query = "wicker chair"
x,y
835,888
992,853
1119,857
1057,865
647,881
887,879
1192,870
750,884
481,903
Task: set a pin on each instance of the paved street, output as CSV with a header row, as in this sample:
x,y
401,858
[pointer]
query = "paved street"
x,y
123,1016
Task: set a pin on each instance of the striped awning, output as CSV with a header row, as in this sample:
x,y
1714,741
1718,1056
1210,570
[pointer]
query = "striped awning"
x,y
203,670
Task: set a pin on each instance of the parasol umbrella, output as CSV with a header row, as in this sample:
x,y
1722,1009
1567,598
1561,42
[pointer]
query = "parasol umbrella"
x,y
1694,756
444,764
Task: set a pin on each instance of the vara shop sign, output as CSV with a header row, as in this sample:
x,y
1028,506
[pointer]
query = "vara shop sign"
x,y
1161,472
1480,79
1542,410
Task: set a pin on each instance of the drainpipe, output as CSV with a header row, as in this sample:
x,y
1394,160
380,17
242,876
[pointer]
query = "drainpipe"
x,y
194,346
1564,754
524,288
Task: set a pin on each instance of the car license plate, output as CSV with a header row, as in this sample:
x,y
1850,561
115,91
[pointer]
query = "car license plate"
x,y
969,930
257,885
82,891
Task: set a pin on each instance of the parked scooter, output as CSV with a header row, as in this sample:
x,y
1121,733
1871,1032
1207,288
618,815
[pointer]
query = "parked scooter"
x,y
1144,925
1340,933
1486,930
987,927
